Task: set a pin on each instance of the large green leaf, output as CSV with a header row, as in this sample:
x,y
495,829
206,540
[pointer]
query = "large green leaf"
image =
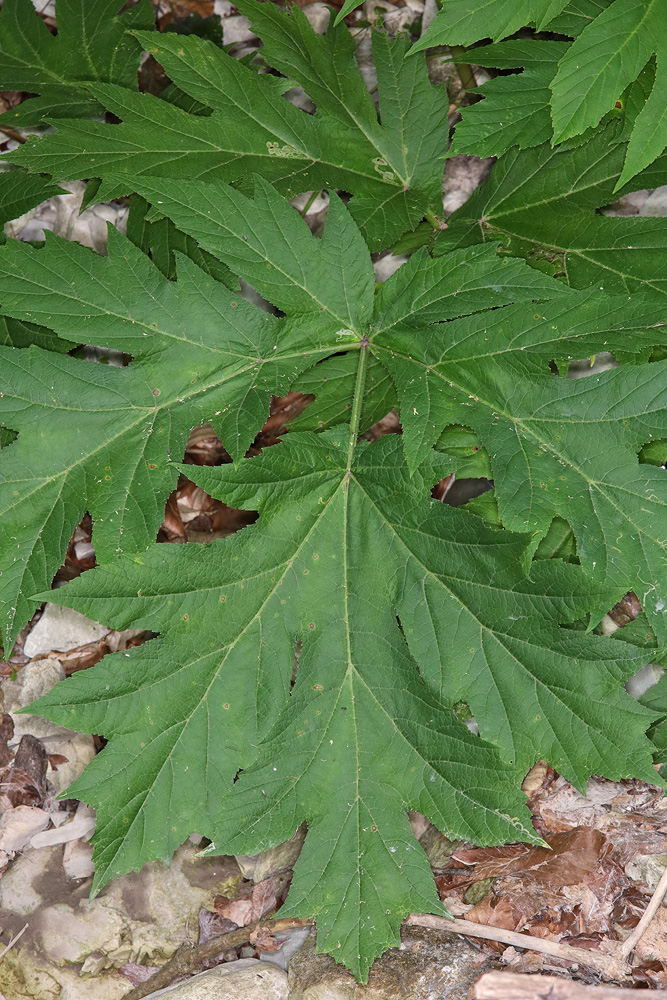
x,y
346,541
200,352
394,169
91,45
505,354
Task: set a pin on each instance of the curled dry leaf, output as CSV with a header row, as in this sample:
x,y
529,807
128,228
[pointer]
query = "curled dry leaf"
x,y
571,856
264,940
252,906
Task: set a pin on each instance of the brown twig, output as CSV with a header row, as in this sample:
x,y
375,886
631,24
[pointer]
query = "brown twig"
x,y
514,986
11,133
190,958
610,966
650,911
13,941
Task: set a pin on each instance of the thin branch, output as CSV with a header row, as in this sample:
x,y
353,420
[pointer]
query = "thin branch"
x,y
611,967
515,986
11,133
650,911
190,958
438,224
13,942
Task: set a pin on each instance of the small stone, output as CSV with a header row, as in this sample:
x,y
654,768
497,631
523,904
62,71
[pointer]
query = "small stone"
x,y
319,15
236,29
78,859
62,629
437,847
246,979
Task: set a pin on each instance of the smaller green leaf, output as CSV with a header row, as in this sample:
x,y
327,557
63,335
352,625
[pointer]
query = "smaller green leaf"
x,y
558,543
19,192
91,44
472,459
346,9
460,22
163,242
267,242
515,109
649,136
603,60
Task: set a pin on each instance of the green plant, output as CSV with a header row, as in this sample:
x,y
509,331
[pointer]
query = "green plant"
x,y
400,608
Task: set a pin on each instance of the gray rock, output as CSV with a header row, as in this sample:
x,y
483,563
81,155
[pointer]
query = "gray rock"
x,y
62,629
647,868
656,203
293,939
246,979
428,966
277,859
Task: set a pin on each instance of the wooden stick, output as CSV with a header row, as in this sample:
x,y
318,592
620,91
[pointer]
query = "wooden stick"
x,y
190,958
511,986
13,941
610,966
11,133
650,911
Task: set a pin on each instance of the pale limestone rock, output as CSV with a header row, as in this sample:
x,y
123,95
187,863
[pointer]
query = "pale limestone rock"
x,y
62,629
141,917
246,979
319,15
18,826
235,29
36,679
68,935
18,892
647,868
35,979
